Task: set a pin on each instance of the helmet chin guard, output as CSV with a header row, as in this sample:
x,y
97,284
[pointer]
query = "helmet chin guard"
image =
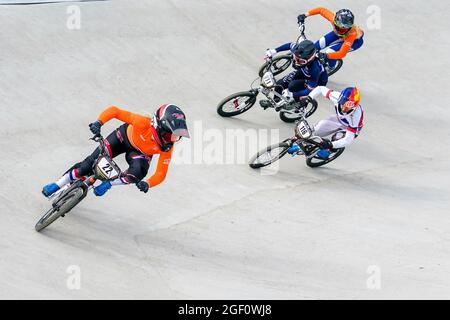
x,y
169,122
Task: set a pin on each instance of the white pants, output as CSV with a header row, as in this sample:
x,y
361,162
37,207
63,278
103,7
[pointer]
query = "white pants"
x,y
328,126
331,125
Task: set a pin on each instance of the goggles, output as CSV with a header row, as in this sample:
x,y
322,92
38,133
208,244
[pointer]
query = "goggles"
x,y
301,62
340,29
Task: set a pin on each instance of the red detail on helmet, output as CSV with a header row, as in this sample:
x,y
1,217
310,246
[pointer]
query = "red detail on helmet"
x,y
162,110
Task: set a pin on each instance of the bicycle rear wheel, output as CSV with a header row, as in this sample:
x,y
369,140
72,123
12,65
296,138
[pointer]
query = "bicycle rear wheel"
x,y
316,161
336,68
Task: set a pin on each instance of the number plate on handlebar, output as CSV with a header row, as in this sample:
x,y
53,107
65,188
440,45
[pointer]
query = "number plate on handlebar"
x,y
268,80
106,170
303,130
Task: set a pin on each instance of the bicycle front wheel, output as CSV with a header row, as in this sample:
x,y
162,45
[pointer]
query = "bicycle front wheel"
x,y
60,207
279,64
236,103
269,155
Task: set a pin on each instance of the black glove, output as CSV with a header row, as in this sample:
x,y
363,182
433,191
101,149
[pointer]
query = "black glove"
x,y
95,127
143,186
301,18
322,56
326,144
304,101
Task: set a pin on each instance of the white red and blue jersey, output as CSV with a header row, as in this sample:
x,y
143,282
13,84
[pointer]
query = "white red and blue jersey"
x,y
352,122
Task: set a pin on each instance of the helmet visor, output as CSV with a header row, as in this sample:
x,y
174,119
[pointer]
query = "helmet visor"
x,y
175,136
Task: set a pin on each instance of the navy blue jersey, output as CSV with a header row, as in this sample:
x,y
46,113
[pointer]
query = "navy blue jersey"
x,y
314,73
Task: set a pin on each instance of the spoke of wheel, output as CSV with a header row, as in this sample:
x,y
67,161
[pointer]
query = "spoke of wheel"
x,y
269,156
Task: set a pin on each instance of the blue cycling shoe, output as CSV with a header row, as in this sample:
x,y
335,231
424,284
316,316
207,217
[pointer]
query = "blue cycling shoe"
x,y
323,154
101,189
50,189
294,149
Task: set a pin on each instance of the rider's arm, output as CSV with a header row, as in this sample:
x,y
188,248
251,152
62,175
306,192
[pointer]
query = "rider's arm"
x,y
326,92
161,169
284,47
324,12
309,86
346,46
114,112
346,140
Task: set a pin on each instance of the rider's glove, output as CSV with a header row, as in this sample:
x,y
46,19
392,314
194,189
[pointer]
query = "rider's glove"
x,y
95,127
143,186
304,101
287,94
322,56
326,144
301,18
270,53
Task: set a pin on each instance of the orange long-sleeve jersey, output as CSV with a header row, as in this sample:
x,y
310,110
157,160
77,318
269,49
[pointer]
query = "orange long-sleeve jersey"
x,y
143,137
349,38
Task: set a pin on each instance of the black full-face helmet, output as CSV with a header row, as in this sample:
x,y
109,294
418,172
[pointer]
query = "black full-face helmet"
x,y
170,125
343,22
304,53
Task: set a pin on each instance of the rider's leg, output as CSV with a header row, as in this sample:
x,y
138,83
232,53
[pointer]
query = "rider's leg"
x,y
283,83
137,170
324,128
327,40
327,126
337,46
280,85
297,85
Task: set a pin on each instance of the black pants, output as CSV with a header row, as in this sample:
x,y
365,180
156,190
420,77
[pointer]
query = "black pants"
x,y
117,143
293,81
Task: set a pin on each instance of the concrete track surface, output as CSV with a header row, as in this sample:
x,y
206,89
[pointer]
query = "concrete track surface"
x,y
224,231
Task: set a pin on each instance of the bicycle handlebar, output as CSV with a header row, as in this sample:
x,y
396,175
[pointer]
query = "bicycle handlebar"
x,y
97,138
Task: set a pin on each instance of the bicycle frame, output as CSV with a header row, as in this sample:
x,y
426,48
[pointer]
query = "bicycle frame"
x,y
305,143
288,106
105,169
